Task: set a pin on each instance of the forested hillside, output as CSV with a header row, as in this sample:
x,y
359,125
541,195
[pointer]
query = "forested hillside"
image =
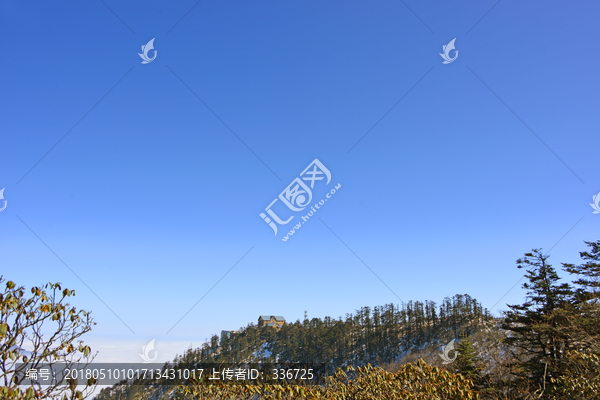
x,y
548,347
377,336
381,334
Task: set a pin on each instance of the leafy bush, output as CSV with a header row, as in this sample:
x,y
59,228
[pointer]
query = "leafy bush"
x,y
413,381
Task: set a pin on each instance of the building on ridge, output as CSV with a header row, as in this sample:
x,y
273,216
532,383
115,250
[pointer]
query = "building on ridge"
x,y
275,321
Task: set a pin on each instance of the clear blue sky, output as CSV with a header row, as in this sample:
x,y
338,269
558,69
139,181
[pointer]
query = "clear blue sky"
x,y
150,199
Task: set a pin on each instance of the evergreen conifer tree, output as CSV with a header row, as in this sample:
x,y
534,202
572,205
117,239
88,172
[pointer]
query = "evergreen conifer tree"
x,y
467,361
588,281
537,337
585,311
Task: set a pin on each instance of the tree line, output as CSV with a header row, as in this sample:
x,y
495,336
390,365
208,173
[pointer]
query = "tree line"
x,y
377,335
547,347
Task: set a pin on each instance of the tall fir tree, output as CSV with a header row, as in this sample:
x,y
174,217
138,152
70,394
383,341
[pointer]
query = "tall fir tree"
x,y
588,274
467,362
537,337
585,311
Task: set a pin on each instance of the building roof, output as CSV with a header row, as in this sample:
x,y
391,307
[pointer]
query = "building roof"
x,y
277,318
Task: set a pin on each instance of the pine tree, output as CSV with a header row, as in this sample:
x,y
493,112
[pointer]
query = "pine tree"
x,y
536,325
588,273
467,362
585,310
